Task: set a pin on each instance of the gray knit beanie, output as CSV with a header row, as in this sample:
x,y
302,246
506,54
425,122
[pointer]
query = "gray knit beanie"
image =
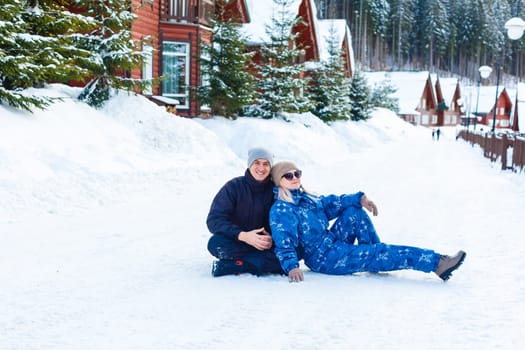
x,y
256,153
281,168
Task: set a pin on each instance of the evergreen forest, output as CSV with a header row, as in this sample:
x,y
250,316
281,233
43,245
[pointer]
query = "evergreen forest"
x,y
455,36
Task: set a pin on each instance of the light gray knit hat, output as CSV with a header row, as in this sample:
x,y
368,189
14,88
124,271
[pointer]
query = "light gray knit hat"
x,y
281,168
259,152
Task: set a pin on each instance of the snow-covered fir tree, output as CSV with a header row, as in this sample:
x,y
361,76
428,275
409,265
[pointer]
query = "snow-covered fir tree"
x,y
32,47
56,49
359,97
329,89
115,54
228,85
381,96
280,85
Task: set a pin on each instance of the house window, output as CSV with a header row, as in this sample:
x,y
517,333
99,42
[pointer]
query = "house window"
x,y
504,123
434,119
147,67
176,72
205,76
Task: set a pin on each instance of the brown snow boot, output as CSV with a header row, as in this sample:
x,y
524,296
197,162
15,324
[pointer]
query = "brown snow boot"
x,y
447,264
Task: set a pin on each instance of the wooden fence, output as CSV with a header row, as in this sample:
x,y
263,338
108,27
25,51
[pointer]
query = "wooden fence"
x,y
509,149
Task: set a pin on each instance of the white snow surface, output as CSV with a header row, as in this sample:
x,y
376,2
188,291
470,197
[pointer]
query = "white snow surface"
x,y
103,234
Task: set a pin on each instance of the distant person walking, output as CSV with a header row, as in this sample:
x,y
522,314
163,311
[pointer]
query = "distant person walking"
x,y
438,132
433,134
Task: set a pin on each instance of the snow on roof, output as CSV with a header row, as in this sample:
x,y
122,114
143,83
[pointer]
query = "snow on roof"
x,y
409,85
448,87
486,100
325,29
261,14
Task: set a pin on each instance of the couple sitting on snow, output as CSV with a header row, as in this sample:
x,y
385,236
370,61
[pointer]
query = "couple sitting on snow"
x,y
247,208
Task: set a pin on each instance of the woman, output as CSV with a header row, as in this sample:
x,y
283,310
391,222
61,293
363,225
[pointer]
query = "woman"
x,y
300,220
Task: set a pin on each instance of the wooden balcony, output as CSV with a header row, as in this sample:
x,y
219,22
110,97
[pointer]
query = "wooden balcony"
x,y
187,11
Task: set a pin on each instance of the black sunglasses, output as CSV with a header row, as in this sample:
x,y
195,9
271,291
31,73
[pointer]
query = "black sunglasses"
x,y
289,176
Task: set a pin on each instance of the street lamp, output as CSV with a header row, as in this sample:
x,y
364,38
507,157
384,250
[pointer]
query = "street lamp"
x,y
515,27
484,72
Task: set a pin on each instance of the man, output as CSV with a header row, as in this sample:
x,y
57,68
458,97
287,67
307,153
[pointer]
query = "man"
x,y
238,220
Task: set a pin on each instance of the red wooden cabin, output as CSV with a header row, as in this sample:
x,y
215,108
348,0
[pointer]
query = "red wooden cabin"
x,y
173,31
428,107
503,112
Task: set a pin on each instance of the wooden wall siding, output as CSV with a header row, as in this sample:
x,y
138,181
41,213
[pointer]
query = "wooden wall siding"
x,y
237,10
428,97
348,66
504,103
515,121
428,109
307,38
147,25
439,93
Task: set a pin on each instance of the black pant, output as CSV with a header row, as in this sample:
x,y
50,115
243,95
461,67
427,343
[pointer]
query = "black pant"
x,y
263,261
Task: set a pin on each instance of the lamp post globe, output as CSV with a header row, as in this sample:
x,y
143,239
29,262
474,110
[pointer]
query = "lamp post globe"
x,y
484,71
515,27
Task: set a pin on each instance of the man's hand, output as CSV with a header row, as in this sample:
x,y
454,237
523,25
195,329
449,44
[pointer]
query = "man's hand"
x,y
257,238
369,205
295,275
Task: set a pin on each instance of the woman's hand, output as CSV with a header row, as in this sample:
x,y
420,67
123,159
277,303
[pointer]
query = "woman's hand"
x,y
369,205
257,238
295,275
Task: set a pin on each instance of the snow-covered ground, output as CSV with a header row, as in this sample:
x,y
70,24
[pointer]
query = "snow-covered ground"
x,y
103,235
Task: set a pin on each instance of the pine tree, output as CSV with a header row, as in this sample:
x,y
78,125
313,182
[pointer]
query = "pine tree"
x,y
280,83
378,11
359,97
57,51
18,68
401,26
330,90
381,96
229,86
111,43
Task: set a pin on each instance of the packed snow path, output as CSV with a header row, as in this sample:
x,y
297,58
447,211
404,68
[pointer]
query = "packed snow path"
x,y
135,273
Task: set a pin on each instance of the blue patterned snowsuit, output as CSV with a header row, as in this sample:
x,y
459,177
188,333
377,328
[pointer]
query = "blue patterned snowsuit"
x,y
332,251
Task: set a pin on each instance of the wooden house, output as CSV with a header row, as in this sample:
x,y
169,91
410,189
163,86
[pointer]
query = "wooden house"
x,y
484,110
408,86
172,31
311,32
428,106
449,102
503,112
